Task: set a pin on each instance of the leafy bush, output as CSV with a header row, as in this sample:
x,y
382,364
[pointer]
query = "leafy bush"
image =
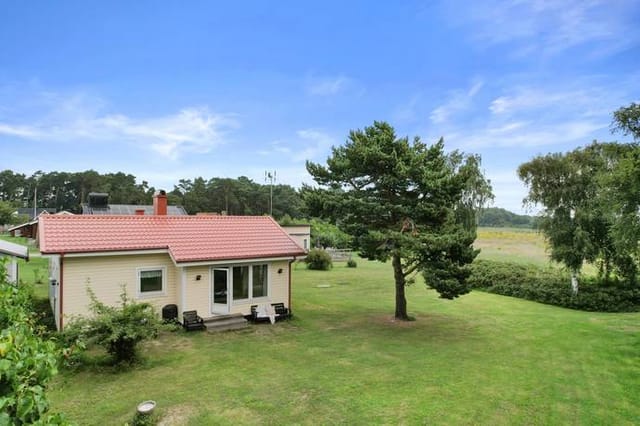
x,y
318,259
118,329
552,286
352,263
325,234
27,361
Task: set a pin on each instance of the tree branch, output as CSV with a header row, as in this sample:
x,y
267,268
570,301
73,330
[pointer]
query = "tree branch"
x,y
411,269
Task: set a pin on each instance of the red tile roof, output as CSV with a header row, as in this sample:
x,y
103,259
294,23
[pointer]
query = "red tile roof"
x,y
187,238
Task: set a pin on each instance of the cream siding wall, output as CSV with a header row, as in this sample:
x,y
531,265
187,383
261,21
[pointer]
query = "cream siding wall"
x,y
107,274
199,292
301,234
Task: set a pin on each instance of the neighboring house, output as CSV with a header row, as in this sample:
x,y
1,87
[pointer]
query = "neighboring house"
x,y
28,211
30,229
301,234
99,205
13,251
213,264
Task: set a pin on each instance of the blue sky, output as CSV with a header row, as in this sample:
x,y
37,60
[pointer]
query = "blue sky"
x,y
171,90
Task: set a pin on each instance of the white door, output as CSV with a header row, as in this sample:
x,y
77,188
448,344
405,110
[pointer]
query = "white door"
x,y
220,291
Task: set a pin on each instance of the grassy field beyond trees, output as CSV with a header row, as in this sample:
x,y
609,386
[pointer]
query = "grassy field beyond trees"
x,y
481,359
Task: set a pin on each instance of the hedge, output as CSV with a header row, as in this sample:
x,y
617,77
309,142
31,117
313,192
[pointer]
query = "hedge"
x,y
552,286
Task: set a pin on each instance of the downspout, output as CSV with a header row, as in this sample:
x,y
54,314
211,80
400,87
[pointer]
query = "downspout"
x,y
60,292
290,262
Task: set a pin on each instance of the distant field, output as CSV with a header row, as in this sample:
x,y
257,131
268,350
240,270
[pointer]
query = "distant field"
x,y
512,245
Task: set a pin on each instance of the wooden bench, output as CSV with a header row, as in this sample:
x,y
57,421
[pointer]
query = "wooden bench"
x,y
191,321
281,312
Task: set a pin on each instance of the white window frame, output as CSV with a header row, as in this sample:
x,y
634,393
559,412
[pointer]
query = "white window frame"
x,y
150,294
251,299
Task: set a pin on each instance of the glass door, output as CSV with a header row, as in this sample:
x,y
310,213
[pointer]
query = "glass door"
x,y
221,295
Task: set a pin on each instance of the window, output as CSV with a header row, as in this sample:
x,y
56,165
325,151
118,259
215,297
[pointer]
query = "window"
x,y
259,281
250,282
151,281
240,282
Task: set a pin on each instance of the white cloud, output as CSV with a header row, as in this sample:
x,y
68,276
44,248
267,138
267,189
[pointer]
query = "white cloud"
x,y
509,191
528,99
80,117
308,144
458,101
19,131
551,27
315,144
274,148
328,86
531,134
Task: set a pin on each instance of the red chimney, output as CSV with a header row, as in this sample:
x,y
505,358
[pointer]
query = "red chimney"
x,y
139,212
160,203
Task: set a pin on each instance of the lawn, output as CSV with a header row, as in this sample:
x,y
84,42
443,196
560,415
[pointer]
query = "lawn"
x,y
482,359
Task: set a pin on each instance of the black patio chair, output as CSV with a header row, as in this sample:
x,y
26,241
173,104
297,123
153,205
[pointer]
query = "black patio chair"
x,y
192,321
281,310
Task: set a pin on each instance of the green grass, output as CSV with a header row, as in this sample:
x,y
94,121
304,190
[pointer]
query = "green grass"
x,y
482,359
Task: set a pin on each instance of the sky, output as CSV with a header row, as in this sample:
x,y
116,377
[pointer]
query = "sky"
x,y
169,90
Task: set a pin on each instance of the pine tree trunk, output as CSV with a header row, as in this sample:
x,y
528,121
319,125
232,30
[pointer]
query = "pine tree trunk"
x,y
401,301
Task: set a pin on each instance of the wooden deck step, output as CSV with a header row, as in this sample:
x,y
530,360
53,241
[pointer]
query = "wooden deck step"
x,y
226,322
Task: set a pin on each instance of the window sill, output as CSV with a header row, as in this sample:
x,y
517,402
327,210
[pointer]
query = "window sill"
x,y
151,295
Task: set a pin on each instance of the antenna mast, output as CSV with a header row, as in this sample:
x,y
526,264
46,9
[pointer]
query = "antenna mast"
x,y
271,178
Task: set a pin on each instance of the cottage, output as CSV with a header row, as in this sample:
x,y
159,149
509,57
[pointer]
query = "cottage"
x,y
216,265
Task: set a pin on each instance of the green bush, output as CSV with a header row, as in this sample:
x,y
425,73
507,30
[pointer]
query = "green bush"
x,y
318,259
552,286
28,360
118,329
352,263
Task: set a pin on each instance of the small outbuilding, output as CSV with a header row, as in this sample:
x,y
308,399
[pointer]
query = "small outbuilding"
x,y
13,252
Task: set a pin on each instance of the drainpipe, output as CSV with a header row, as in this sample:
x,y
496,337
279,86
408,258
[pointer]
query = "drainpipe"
x,y
290,262
60,292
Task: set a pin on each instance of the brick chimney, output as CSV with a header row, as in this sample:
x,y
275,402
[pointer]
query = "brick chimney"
x,y
160,203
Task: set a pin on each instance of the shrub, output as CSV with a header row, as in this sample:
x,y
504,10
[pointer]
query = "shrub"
x,y
551,286
318,259
118,329
28,361
352,263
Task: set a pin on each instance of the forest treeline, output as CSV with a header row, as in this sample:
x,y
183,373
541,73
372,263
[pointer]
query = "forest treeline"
x,y
240,196
67,191
501,218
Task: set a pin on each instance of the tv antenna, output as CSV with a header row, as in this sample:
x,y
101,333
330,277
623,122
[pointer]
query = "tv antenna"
x,y
271,178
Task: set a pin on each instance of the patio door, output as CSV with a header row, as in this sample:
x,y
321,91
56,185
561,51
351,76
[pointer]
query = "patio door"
x,y
220,291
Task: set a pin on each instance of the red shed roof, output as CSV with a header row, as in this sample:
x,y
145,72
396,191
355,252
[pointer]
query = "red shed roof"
x,y
187,238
